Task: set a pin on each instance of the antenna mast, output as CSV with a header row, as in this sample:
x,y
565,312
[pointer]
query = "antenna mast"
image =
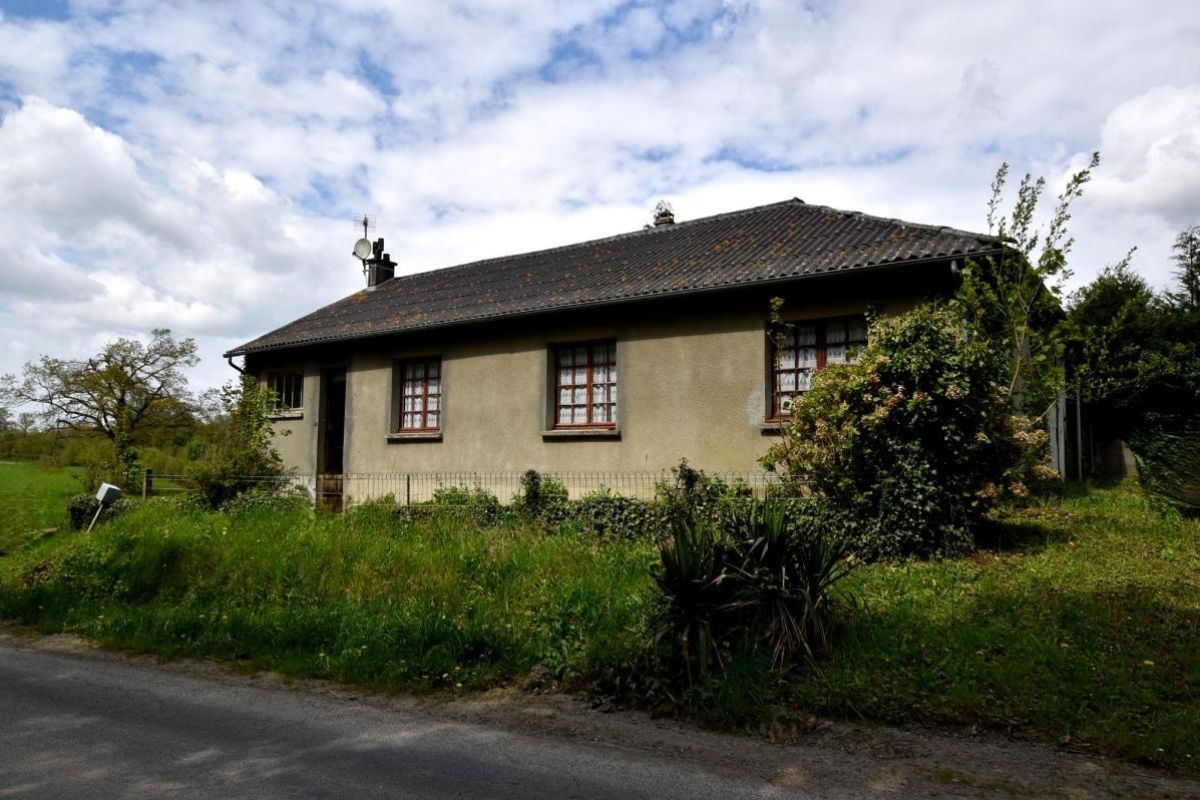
x,y
363,250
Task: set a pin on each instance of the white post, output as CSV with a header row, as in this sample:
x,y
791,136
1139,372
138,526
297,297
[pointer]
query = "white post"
x,y
95,517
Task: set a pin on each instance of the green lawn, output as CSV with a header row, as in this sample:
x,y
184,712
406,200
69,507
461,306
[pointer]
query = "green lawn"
x,y
1082,618
1084,622
32,499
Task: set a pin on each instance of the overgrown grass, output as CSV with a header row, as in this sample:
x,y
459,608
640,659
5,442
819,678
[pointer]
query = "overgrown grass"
x,y
365,597
1083,620
32,499
1080,617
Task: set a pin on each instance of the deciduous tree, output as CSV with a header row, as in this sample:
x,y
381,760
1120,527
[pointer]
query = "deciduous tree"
x,y
1136,359
127,388
1016,295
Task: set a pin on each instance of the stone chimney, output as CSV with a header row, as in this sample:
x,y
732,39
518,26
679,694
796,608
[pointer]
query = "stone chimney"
x,y
380,266
663,214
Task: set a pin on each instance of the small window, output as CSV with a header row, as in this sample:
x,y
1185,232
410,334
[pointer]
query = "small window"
x,y
420,395
585,385
289,390
807,347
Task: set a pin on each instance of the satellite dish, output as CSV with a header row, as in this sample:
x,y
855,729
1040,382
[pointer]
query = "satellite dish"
x,y
362,249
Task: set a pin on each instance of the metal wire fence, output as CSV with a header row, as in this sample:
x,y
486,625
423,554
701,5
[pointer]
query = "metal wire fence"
x,y
417,487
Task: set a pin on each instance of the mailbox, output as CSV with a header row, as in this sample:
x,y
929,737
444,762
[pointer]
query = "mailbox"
x,y
107,494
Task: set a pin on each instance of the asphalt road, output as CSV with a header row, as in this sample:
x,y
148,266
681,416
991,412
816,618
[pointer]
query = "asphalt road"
x,y
85,727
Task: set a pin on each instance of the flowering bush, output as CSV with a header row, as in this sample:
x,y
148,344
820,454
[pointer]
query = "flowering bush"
x,y
912,444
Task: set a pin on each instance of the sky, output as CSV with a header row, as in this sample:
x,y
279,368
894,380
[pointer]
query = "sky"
x,y
198,165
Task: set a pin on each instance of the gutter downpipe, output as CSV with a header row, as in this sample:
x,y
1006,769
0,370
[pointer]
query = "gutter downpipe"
x,y
235,366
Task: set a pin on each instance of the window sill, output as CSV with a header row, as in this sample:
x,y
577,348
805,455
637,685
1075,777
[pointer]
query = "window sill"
x,y
582,433
295,413
772,427
414,436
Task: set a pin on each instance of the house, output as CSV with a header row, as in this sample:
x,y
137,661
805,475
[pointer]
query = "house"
x,y
619,354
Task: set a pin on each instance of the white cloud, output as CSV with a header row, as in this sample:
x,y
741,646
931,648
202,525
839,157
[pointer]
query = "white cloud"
x,y
1151,146
196,164
97,237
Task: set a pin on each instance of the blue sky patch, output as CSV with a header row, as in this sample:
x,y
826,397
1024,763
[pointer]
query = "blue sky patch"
x,y
36,9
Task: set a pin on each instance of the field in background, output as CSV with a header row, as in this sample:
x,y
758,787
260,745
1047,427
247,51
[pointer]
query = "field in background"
x,y
1079,618
32,499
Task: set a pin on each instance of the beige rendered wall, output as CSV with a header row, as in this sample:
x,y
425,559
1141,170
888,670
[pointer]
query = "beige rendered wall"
x,y
692,380
295,432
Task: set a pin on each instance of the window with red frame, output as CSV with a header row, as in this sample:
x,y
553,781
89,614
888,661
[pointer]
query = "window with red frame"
x,y
807,347
585,385
421,395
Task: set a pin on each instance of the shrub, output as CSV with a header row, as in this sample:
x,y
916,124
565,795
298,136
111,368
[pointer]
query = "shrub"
x,y
606,513
239,454
281,499
692,493
913,443
82,507
477,505
97,459
541,497
531,490
1168,460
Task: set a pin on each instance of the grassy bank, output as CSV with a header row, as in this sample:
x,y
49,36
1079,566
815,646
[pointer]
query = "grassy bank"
x,y
1083,620
363,598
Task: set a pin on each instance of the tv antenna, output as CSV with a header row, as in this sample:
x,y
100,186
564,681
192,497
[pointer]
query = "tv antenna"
x,y
362,248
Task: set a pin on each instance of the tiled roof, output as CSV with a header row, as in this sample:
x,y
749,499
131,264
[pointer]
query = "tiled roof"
x,y
775,242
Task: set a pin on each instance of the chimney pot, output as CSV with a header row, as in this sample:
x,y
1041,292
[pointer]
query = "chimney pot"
x,y
663,214
380,269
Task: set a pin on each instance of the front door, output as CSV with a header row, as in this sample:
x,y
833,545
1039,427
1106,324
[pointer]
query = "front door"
x,y
333,437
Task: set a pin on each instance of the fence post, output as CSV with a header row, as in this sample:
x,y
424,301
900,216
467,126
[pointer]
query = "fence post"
x,y
147,483
408,490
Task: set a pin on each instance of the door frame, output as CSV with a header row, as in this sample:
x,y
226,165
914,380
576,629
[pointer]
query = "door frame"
x,y
330,483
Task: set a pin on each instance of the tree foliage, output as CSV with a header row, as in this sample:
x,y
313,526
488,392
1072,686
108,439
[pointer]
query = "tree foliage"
x,y
239,452
1131,354
126,389
1016,295
911,445
1136,362
1187,271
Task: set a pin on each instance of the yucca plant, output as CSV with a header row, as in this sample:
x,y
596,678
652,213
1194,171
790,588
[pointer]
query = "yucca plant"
x,y
763,585
788,563
692,576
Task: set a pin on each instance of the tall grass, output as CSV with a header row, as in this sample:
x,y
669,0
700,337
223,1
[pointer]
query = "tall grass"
x,y
1078,617
364,597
